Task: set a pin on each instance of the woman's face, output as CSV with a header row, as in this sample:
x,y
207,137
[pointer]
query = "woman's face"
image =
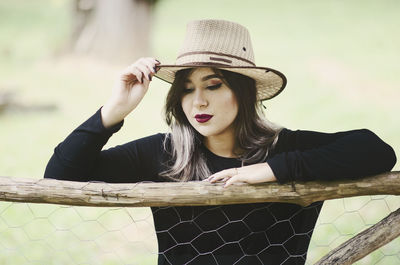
x,y
209,105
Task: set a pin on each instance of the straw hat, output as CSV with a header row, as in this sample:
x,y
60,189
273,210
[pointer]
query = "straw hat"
x,y
225,45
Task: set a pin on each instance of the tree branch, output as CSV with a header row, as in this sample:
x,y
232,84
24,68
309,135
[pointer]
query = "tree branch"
x,y
190,193
365,242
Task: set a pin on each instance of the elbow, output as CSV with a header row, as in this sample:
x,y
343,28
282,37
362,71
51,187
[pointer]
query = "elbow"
x,y
382,152
49,172
48,175
391,160
55,169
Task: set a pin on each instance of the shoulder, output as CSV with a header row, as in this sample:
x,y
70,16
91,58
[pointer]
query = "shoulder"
x,y
153,139
149,150
150,143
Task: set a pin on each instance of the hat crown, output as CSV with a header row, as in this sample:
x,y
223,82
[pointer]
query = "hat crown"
x,y
217,42
225,45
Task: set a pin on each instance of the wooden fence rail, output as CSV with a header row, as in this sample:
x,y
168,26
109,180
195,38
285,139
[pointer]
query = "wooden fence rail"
x,y
197,193
190,193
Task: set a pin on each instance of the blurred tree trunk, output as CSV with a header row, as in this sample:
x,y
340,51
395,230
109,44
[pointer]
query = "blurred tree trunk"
x,y
114,30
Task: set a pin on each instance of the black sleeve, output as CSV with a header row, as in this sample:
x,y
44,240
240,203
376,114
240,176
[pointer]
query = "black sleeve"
x,y
80,157
307,155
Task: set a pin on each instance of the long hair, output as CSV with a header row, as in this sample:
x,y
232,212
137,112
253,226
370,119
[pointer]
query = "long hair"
x,y
255,136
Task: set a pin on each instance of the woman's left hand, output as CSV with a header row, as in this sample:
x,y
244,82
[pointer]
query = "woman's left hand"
x,y
256,173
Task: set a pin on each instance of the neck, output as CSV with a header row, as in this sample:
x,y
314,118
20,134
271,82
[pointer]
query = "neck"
x,y
221,145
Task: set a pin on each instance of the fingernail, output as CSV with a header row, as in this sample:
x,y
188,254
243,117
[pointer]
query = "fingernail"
x,y
158,61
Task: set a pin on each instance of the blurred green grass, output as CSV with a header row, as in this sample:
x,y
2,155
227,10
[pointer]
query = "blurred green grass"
x,y
340,58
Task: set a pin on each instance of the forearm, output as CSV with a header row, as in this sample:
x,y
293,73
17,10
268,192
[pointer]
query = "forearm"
x,y
75,157
349,154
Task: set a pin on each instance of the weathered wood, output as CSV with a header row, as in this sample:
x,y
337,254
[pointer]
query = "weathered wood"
x,y
365,242
190,193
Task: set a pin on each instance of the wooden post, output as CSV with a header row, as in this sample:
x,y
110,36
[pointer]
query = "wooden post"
x,y
365,242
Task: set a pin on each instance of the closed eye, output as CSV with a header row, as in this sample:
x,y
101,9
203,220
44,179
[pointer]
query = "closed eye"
x,y
188,90
214,86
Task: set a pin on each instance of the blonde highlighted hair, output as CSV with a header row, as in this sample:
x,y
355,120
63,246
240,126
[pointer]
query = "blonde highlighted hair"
x,y
254,134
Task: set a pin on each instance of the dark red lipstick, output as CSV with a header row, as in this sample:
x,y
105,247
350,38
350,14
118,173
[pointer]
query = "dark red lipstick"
x,y
202,117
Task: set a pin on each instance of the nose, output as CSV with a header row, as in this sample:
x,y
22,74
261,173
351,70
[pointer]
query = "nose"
x,y
199,99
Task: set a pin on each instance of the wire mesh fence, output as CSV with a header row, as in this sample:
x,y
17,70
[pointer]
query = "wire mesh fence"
x,y
53,234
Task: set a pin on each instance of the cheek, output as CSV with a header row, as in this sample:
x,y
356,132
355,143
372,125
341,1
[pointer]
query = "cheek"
x,y
234,109
232,105
185,105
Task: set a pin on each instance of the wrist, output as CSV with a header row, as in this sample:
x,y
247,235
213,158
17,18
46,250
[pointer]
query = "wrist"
x,y
270,174
111,115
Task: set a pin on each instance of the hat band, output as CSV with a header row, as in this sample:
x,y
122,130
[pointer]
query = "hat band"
x,y
217,59
204,64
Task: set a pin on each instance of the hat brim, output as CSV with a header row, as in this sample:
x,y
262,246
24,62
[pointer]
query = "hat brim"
x,y
269,82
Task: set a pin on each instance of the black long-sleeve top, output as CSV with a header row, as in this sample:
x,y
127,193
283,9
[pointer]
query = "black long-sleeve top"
x,y
256,233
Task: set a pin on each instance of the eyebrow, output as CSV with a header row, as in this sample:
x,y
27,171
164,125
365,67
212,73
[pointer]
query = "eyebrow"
x,y
205,78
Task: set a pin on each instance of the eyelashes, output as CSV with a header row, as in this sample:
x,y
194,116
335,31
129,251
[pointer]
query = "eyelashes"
x,y
214,87
187,90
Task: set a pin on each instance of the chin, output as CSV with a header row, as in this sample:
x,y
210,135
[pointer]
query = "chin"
x,y
204,132
209,133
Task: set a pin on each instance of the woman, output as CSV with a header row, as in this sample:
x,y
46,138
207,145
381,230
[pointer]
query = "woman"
x,y
218,133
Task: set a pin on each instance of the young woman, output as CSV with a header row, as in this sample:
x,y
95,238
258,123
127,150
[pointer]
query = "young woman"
x,y
218,133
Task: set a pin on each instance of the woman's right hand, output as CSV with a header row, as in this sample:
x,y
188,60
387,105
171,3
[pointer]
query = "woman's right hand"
x,y
128,91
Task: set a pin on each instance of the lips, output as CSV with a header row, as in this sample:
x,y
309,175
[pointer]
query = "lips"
x,y
203,117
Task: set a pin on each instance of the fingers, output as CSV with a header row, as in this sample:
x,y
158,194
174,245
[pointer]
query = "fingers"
x,y
229,176
147,68
151,66
234,179
142,69
251,174
222,175
130,72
